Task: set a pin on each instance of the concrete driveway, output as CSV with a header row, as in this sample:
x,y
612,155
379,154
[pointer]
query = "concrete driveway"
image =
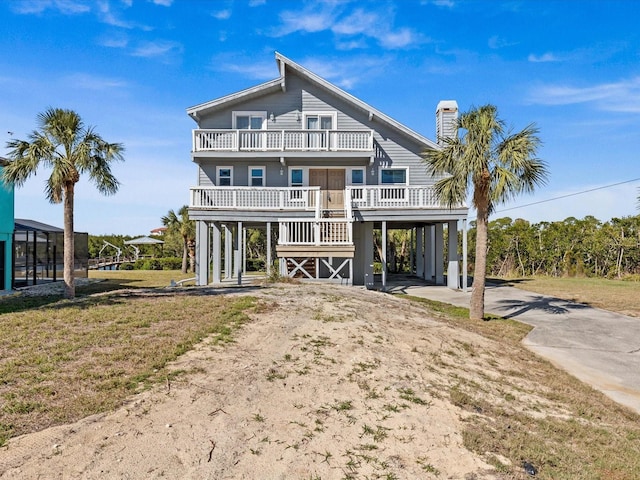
x,y
599,347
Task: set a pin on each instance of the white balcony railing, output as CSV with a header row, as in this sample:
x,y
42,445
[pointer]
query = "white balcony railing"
x,y
326,231
256,198
393,196
372,197
225,140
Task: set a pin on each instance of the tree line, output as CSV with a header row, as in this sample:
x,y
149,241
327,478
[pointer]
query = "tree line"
x,y
572,247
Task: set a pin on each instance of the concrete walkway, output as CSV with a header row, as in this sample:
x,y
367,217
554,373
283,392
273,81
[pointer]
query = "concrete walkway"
x,y
599,347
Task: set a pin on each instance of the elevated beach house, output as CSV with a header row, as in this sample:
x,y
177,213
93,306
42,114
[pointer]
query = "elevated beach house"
x,y
320,171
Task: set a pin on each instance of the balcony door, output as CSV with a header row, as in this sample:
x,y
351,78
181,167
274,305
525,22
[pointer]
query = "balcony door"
x,y
331,182
322,122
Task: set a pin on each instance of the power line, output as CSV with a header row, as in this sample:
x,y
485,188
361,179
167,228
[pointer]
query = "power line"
x,y
566,196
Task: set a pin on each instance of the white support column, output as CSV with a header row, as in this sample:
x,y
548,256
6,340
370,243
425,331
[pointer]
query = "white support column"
x,y
238,252
465,280
367,235
384,255
439,256
429,253
453,274
412,252
228,252
216,252
244,251
202,253
268,261
420,251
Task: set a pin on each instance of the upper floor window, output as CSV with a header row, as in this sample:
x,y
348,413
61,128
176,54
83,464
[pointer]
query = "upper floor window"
x,y
320,121
250,120
225,176
256,176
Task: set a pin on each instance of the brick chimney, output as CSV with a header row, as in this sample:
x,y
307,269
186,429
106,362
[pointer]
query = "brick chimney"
x,y
446,118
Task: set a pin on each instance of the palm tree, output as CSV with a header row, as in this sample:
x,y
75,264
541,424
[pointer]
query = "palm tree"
x,y
181,225
63,144
497,166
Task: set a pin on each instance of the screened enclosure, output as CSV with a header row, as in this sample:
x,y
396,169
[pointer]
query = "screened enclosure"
x,y
38,251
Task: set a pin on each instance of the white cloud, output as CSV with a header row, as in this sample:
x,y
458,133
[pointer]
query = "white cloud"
x,y
256,3
67,7
622,96
496,42
163,3
222,14
546,57
93,82
114,41
110,17
156,49
257,70
348,26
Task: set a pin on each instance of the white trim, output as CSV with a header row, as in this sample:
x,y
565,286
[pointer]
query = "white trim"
x,y
406,175
223,167
250,176
305,176
331,113
350,176
249,113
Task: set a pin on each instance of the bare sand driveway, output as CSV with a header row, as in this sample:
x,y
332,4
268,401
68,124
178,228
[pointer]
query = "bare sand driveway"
x,y
325,382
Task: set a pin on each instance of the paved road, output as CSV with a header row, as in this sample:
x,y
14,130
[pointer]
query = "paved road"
x,y
599,347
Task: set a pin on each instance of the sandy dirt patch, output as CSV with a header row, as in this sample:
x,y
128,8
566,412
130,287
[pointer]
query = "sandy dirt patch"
x,y
325,382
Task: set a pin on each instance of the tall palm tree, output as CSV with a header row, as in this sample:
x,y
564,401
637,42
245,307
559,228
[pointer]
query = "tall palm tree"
x,y
498,166
63,144
179,224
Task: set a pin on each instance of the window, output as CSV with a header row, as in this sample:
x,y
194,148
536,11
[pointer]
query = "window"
x,y
250,120
393,176
319,121
256,176
356,179
357,176
296,177
225,176
297,180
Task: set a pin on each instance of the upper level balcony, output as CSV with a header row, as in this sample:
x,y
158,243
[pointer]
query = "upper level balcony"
x,y
214,142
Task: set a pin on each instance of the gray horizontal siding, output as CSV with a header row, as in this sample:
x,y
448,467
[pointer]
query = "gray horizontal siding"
x,y
393,149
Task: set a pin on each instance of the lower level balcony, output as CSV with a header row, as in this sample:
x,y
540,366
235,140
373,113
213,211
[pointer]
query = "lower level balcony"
x,y
373,197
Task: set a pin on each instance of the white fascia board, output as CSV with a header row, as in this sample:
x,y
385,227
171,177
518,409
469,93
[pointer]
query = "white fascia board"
x,y
262,89
369,110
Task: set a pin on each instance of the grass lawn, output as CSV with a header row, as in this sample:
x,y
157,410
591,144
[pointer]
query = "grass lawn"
x,y
62,360
615,295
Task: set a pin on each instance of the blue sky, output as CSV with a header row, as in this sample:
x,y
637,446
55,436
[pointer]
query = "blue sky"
x,y
132,67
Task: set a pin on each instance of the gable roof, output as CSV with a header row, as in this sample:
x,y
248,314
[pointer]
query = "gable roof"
x,y
280,83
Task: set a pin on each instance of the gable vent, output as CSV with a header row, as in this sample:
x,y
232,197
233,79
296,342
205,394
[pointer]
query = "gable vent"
x,y
446,118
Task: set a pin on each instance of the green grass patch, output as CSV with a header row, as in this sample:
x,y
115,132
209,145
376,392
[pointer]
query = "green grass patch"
x,y
63,360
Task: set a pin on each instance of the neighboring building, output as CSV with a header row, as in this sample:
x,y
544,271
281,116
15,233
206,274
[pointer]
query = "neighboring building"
x,y
6,231
303,158
38,253
160,231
